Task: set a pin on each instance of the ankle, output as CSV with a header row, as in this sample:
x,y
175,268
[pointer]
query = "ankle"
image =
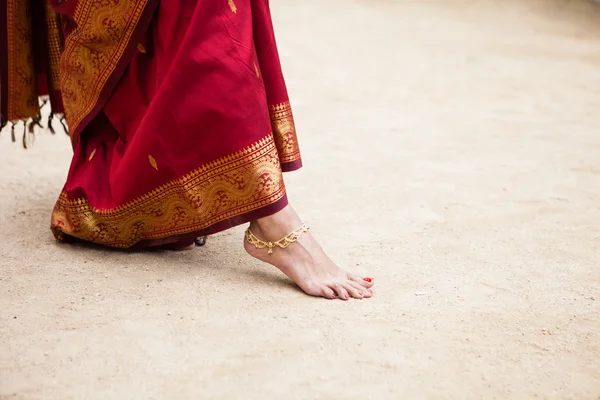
x,y
256,229
282,222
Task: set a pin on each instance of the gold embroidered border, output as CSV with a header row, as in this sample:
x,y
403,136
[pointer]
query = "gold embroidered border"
x,y
284,131
93,50
22,97
234,185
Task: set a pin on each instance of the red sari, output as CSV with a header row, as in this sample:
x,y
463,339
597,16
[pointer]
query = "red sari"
x,y
179,119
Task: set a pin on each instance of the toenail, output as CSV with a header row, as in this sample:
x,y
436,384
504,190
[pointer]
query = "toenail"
x,y
370,291
368,279
346,297
361,293
334,297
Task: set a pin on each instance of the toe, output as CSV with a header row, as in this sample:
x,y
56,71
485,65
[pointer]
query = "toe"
x,y
364,282
366,292
353,291
341,292
314,289
328,293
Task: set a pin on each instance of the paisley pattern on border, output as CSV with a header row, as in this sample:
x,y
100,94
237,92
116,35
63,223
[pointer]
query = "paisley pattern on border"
x,y
231,186
93,50
284,131
22,96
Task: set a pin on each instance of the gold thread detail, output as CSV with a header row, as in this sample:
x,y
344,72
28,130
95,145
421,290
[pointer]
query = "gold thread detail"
x,y
282,243
233,6
55,41
92,155
22,97
257,71
230,186
93,50
153,162
284,131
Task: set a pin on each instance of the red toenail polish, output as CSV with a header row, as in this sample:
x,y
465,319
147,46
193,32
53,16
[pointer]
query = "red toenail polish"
x,y
346,297
370,291
368,279
361,293
334,297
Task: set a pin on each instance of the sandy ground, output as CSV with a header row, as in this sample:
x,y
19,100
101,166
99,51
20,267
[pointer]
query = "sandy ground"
x,y
452,150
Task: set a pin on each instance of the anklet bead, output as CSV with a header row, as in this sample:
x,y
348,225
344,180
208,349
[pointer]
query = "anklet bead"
x,y
283,243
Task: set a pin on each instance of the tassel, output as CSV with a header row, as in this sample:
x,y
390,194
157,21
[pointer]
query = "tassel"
x,y
35,121
50,118
24,135
64,124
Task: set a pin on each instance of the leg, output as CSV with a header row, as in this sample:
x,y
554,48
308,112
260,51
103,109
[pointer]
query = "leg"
x,y
305,262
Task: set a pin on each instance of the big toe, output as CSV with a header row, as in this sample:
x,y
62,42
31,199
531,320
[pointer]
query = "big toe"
x,y
365,282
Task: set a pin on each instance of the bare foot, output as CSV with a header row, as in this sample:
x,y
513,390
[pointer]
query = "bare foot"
x,y
305,262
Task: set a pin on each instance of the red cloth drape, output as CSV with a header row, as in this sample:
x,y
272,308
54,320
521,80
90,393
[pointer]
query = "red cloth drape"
x,y
192,137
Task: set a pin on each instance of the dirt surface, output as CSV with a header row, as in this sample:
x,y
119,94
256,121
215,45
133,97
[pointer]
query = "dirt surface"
x,y
452,150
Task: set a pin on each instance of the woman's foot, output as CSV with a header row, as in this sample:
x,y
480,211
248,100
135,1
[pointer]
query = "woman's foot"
x,y
304,261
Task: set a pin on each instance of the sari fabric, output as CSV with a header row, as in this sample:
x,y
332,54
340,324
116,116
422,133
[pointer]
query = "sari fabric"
x,y
31,42
179,118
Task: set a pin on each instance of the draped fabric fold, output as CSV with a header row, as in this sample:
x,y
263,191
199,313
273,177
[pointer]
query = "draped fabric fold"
x,y
30,46
178,113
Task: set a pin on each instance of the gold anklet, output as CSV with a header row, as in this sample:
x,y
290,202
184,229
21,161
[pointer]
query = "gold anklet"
x,y
283,243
